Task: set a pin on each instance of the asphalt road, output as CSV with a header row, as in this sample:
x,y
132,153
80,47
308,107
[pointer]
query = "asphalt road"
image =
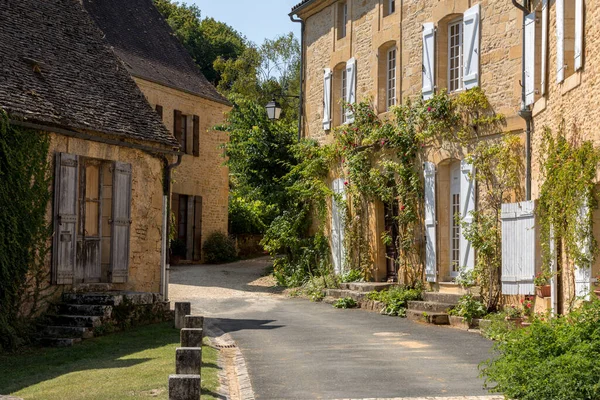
x,y
297,349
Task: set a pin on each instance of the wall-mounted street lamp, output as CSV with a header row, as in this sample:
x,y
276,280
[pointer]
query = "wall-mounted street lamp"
x,y
273,110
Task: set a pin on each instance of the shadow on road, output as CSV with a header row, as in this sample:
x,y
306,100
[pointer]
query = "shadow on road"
x,y
228,325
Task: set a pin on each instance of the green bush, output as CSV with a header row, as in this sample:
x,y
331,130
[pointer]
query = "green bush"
x,y
345,302
553,359
498,327
178,248
396,299
352,275
469,308
219,248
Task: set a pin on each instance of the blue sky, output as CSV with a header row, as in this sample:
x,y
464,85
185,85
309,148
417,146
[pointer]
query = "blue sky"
x,y
256,19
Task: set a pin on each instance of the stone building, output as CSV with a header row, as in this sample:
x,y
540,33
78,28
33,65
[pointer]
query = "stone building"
x,y
189,107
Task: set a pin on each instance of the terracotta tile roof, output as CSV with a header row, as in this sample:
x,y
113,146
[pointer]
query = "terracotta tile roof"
x,y
56,69
148,47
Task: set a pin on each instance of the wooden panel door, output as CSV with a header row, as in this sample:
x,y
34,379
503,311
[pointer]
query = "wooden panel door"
x,y
89,235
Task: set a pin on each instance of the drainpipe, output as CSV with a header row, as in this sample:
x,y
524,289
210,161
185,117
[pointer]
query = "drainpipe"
x,y
525,111
164,261
301,97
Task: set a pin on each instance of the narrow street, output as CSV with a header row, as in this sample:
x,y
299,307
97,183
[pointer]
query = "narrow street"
x,y
297,349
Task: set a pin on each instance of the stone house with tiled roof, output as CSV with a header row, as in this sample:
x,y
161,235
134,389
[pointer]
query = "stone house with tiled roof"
x,y
189,106
109,148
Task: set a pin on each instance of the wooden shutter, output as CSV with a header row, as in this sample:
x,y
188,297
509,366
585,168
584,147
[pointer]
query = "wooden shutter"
x,y
471,30
350,87
583,269
578,34
159,111
559,7
518,248
65,218
337,227
428,82
196,140
430,223
197,228
190,228
467,205
121,222
177,127
327,99
530,56
544,46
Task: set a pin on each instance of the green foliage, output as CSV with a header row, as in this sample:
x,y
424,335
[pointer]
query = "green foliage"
x,y
178,248
553,359
249,216
469,308
345,302
315,286
219,248
498,327
396,299
352,275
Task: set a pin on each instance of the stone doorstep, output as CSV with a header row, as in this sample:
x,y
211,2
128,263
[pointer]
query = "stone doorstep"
x,y
428,317
76,320
111,298
68,332
461,323
437,297
85,309
366,287
430,306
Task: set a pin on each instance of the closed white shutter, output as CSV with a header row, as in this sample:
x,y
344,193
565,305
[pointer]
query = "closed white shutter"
x,y
337,227
467,205
350,87
327,99
518,248
471,19
430,223
553,270
428,83
559,7
530,58
578,34
544,45
583,271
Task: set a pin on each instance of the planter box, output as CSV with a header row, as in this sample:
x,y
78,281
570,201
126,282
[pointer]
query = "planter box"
x,y
543,291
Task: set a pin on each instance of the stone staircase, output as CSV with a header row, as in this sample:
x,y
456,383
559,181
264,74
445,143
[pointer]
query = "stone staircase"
x,y
358,291
433,308
81,314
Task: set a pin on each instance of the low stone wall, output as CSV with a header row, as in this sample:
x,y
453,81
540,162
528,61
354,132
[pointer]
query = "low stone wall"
x,y
248,245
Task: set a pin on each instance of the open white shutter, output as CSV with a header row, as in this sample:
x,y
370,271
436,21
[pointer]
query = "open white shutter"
x,y
578,34
518,248
553,270
583,271
559,7
350,87
327,99
337,228
428,83
544,45
530,58
471,19
467,205
430,223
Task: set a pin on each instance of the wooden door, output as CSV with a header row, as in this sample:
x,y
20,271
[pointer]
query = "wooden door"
x,y
89,235
391,248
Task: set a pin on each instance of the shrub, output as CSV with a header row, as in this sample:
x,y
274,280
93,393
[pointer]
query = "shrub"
x,y
498,327
178,248
469,308
352,275
219,248
396,299
346,302
552,359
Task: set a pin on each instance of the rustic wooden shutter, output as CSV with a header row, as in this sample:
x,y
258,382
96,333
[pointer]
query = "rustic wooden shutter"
x,y
518,248
337,227
177,127
583,269
197,228
196,140
530,58
65,218
430,223
350,87
190,229
327,99
121,222
159,111
428,80
471,30
559,7
467,206
544,46
578,34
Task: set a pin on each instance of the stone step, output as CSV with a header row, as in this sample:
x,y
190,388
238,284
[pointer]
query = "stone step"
x,y
85,321
85,309
341,293
430,306
366,287
59,342
102,299
428,317
67,332
436,297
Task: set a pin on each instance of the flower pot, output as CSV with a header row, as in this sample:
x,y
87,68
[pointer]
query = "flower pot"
x,y
516,321
543,291
597,292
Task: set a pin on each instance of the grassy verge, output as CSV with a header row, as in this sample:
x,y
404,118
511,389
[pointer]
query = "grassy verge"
x,y
131,364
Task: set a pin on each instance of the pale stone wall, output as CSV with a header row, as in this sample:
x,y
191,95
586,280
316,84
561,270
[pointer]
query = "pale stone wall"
x,y
206,175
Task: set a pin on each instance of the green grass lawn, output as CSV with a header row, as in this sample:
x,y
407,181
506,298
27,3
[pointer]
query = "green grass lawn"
x,y
132,364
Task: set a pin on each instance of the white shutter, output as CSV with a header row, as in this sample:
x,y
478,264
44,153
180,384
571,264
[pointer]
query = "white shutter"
x,y
578,34
428,83
544,45
471,19
583,271
467,205
327,99
350,87
337,228
529,64
430,223
553,270
518,248
559,6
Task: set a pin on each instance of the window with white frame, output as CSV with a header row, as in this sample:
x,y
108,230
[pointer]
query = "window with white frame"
x,y
342,19
391,78
455,55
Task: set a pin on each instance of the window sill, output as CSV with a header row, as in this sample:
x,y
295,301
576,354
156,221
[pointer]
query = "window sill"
x,y
571,83
386,115
538,106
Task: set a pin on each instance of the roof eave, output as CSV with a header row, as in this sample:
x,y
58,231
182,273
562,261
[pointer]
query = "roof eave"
x,y
300,7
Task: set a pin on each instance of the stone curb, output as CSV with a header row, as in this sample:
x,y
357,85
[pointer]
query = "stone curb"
x,y
220,339
434,398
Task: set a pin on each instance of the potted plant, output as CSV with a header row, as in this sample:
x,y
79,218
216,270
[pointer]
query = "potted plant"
x,y
178,251
542,284
528,307
514,315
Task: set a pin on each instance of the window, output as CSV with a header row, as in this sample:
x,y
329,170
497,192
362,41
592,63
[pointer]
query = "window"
x,y
455,56
569,37
389,7
181,131
188,223
183,137
391,78
342,19
159,111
